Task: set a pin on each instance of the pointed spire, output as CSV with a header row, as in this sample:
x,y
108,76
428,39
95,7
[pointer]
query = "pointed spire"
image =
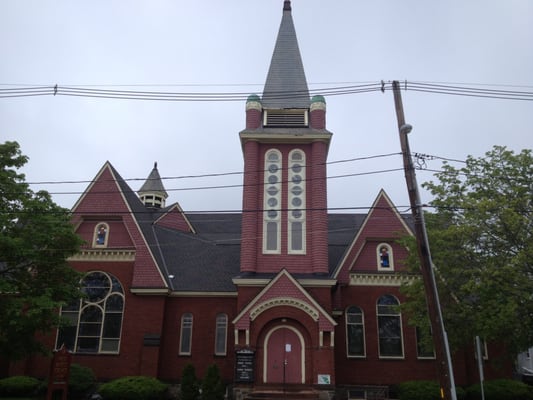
x,y
286,85
152,192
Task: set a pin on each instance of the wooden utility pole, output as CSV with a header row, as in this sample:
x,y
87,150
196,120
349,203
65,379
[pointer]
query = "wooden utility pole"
x,y
440,340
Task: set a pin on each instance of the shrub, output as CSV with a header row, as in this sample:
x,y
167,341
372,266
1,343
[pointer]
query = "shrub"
x,y
212,386
19,386
81,380
133,388
424,390
189,384
501,389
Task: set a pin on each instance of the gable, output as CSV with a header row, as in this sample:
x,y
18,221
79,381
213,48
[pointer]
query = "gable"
x,y
110,200
383,224
284,290
174,218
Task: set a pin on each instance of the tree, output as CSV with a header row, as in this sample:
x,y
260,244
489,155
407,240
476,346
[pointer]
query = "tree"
x,y
35,241
212,386
481,239
189,388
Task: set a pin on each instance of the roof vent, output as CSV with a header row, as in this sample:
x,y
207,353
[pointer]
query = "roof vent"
x,y
286,118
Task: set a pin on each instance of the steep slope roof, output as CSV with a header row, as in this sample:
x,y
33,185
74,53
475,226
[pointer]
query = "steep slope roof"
x,y
286,85
153,183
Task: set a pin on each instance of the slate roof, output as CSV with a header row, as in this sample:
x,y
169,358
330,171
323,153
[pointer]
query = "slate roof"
x,y
208,259
286,85
153,183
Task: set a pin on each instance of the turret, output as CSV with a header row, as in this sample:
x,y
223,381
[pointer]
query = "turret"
x,y
152,193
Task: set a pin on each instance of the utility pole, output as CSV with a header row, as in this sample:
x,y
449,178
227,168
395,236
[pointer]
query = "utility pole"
x,y
440,340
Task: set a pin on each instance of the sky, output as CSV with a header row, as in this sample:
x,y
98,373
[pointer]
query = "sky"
x,y
215,46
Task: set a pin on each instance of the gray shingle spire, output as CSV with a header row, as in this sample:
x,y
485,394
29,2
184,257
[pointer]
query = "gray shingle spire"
x,y
152,192
286,85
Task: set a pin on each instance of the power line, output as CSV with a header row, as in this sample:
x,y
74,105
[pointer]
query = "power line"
x,y
218,174
424,87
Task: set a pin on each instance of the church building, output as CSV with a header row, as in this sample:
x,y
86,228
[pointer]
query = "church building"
x,y
283,293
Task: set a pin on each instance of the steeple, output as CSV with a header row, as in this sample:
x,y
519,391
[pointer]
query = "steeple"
x,y
152,192
286,85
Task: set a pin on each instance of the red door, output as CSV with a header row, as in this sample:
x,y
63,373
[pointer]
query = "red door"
x,y
283,349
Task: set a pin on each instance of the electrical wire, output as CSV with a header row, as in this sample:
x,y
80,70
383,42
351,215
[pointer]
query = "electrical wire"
x,y
415,86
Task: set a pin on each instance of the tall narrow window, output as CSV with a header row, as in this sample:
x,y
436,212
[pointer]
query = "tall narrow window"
x,y
101,234
272,202
186,334
389,327
96,320
296,202
384,256
221,334
355,332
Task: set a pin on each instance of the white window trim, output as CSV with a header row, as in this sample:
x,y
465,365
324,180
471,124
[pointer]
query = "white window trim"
x,y
181,352
399,315
95,234
290,207
221,353
277,208
348,355
391,257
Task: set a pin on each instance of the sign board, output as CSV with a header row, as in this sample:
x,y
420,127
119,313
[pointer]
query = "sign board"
x,y
59,373
324,379
244,366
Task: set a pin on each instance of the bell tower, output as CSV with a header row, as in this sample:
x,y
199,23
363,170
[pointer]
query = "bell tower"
x,y
285,147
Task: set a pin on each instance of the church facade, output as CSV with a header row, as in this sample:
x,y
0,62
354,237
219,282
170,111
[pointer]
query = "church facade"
x,y
282,293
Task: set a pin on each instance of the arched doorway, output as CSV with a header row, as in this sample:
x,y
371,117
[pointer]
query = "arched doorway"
x,y
284,356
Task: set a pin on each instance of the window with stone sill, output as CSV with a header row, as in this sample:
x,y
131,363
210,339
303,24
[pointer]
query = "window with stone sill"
x,y
95,321
385,257
389,327
355,332
186,334
221,334
101,234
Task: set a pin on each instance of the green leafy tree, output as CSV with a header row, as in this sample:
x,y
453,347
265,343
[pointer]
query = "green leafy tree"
x,y
36,238
481,239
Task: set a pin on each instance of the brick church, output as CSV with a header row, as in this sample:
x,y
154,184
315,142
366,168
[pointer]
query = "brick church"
x,y
282,293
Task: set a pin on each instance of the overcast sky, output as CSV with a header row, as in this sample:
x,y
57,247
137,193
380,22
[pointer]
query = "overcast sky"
x,y
226,46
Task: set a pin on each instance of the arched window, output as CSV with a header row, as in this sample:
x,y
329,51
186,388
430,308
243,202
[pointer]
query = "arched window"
x,y
96,320
385,258
296,202
101,234
389,327
355,332
221,332
186,334
272,202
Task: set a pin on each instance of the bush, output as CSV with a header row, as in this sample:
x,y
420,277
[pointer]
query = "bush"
x,y
189,384
501,389
19,386
133,388
81,380
212,386
424,390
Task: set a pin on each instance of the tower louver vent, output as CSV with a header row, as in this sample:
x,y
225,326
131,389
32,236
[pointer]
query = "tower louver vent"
x,y
291,118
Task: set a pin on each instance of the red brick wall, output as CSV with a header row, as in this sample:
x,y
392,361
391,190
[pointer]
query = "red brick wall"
x,y
204,310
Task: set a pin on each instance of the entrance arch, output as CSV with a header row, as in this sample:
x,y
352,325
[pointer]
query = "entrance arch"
x,y
284,355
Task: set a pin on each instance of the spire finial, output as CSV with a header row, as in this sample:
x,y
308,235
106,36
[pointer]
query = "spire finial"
x,y
287,5
155,164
